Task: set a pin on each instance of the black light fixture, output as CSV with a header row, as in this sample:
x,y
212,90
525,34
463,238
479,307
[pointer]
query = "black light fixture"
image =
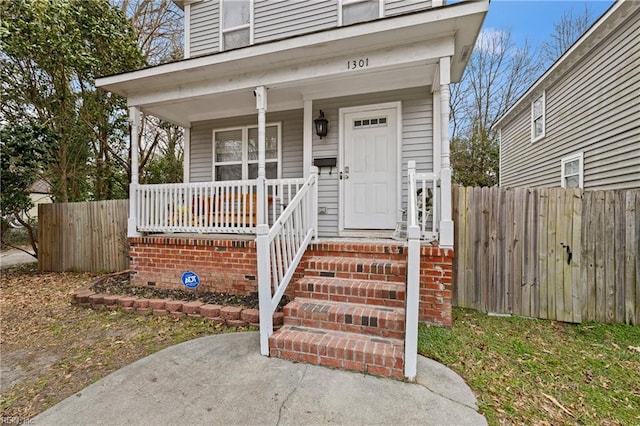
x,y
322,125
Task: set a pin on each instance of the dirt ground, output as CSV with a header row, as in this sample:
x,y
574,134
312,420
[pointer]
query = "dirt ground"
x,y
52,348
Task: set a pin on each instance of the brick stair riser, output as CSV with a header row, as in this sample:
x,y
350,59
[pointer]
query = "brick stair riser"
x,y
356,354
347,318
363,292
359,250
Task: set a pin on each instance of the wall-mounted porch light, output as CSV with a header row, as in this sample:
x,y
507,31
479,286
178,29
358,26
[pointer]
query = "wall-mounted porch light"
x,y
322,125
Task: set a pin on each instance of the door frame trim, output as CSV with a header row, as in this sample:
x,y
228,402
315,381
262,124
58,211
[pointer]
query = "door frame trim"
x,y
341,131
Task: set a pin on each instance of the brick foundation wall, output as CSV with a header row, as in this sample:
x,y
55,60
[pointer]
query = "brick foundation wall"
x,y
224,266
230,266
436,285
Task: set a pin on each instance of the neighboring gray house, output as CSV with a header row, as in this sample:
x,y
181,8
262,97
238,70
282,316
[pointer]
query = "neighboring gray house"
x,y
579,124
270,91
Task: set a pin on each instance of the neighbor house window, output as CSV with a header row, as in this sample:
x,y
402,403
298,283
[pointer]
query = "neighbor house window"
x,y
538,118
235,153
572,171
236,20
352,11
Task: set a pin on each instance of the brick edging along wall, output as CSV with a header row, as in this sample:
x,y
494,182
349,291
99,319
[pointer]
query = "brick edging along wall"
x,y
230,266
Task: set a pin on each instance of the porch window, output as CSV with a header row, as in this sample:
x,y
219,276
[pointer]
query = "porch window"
x,y
235,153
571,169
538,119
236,20
353,11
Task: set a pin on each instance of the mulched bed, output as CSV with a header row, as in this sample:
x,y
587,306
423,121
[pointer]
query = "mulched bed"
x,y
121,285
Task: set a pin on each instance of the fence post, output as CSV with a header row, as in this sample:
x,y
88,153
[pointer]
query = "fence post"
x,y
264,287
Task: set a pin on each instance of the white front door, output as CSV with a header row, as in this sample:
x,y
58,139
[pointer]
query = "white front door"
x,y
370,168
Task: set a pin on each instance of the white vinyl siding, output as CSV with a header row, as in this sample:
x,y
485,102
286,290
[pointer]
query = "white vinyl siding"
x,y
594,108
277,19
205,28
285,18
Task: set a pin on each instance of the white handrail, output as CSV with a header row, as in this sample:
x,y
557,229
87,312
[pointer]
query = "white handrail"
x,y
280,249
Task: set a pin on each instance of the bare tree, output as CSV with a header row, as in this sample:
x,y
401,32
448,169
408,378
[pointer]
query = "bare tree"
x,y
158,25
566,31
159,29
498,72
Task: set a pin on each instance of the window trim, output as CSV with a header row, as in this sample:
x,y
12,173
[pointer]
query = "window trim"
x,y
244,162
222,30
543,116
348,2
568,159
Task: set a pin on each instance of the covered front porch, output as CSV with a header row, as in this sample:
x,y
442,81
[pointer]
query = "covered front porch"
x,y
255,164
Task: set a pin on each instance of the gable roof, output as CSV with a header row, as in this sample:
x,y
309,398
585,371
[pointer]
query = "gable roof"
x,y
604,26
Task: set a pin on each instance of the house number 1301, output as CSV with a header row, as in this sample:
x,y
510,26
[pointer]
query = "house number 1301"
x,y
357,63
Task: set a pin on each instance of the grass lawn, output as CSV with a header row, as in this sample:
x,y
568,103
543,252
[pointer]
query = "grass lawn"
x,y
527,371
52,349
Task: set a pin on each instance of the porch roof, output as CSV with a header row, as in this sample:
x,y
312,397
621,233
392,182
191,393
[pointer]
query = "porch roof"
x,y
399,51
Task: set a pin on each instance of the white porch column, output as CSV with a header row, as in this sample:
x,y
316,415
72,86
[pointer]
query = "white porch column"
x,y
446,222
186,154
261,105
307,138
262,231
437,136
135,120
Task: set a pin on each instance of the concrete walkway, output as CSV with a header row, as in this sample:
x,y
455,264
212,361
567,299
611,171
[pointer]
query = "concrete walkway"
x,y
224,380
13,257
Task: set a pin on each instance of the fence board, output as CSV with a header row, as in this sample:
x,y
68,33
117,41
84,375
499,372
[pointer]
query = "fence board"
x,y
632,283
543,214
89,237
512,257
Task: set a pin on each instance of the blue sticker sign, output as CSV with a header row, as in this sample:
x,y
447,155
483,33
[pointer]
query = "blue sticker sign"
x,y
190,279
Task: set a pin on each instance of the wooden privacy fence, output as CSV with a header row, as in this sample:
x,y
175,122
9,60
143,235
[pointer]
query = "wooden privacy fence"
x,y
87,237
553,253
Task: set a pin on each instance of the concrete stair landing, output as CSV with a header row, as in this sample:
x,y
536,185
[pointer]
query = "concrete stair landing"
x,y
349,310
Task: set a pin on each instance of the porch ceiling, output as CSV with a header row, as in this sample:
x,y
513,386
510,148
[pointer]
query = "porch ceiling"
x,y
400,52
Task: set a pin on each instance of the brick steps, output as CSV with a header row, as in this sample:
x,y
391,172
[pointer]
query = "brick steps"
x,y
329,348
357,268
348,317
349,309
383,293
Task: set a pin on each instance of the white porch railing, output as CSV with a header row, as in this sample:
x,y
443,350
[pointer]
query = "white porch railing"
x,y
210,207
280,249
426,194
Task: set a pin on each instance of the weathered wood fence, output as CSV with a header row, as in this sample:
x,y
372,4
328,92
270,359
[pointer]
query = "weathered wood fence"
x,y
551,253
88,237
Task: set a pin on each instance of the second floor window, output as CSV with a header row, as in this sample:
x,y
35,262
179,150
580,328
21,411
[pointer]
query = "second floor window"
x,y
235,25
537,118
360,10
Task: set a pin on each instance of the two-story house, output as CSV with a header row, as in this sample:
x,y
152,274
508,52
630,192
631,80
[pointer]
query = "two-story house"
x,y
578,125
312,130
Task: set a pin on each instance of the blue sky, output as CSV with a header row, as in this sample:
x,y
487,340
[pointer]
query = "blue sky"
x,y
533,20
